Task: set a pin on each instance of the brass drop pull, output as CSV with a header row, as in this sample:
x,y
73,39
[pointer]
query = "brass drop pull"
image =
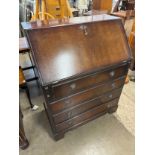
x,y
85,30
69,114
67,101
73,86
113,85
110,96
70,123
108,105
112,73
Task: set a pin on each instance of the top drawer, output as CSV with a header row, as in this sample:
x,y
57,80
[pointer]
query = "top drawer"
x,y
64,89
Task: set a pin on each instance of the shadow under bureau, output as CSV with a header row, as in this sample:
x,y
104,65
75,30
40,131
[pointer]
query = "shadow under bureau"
x,y
82,64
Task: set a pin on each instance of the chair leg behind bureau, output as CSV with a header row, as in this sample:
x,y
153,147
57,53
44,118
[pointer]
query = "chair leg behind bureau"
x,y
28,95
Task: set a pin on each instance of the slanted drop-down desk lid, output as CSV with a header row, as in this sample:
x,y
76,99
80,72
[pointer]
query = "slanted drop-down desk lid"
x,y
70,47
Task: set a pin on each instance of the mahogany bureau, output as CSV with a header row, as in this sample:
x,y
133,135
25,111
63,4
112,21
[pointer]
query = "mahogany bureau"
x,y
82,64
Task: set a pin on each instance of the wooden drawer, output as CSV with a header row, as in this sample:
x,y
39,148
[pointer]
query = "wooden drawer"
x,y
84,116
89,94
64,89
76,110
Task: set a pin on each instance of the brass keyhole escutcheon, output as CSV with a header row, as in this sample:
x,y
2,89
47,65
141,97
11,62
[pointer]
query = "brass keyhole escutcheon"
x,y
113,85
70,123
110,96
85,29
69,114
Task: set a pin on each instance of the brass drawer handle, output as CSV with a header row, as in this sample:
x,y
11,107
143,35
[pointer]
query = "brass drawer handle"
x,y
112,73
69,114
67,101
113,85
84,28
110,96
73,86
108,105
70,123
85,31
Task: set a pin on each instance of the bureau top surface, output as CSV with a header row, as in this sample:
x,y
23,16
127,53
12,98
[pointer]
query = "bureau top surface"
x,y
41,24
64,50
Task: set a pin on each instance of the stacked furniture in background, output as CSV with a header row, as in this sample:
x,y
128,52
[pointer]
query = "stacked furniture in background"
x,y
102,5
124,9
23,49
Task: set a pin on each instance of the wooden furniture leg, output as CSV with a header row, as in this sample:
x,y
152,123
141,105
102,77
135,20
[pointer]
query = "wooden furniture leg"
x,y
23,142
112,109
28,95
59,136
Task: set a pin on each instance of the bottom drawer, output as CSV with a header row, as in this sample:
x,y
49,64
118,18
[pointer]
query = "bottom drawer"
x,y
87,115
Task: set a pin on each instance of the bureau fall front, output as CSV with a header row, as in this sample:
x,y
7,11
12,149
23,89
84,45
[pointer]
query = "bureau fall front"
x,y
82,64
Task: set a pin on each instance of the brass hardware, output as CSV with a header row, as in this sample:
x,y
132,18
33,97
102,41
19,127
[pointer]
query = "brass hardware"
x,y
69,114
73,86
110,96
113,85
70,123
112,73
84,28
108,105
67,101
85,31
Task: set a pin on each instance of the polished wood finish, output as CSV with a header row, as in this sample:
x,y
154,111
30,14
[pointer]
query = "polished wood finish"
x,y
86,94
60,61
82,64
80,108
84,116
41,24
72,87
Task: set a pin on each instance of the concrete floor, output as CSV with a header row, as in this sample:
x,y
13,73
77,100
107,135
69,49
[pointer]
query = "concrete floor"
x,y
103,136
126,110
